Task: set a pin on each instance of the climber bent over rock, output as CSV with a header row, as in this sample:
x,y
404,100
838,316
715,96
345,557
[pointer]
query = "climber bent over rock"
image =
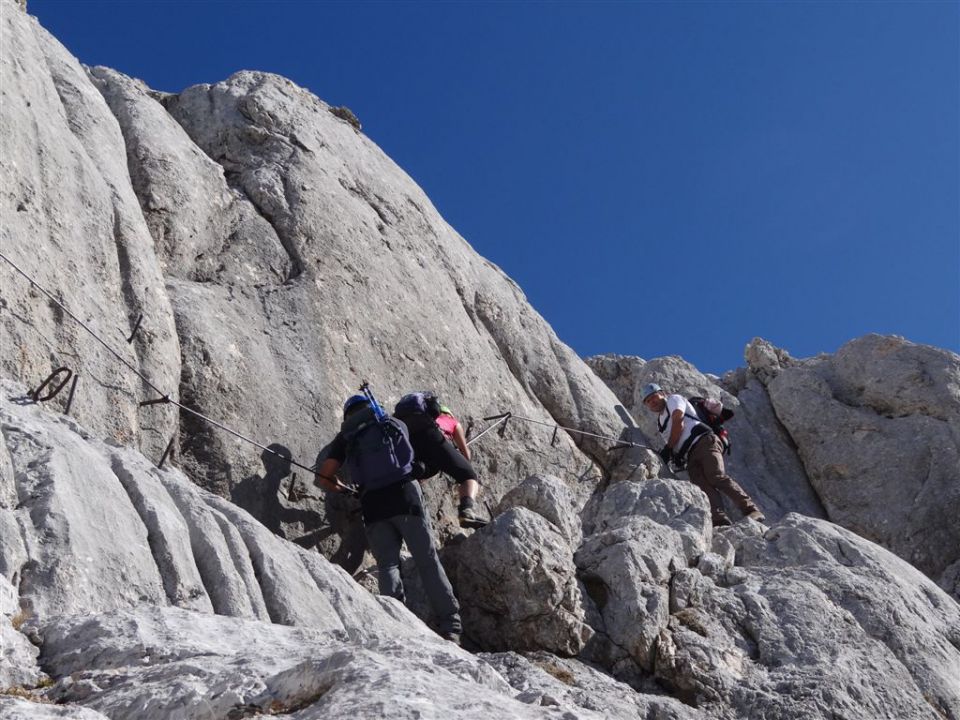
x,y
692,441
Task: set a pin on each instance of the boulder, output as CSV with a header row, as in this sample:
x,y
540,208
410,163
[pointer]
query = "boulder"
x,y
626,569
551,498
675,503
517,586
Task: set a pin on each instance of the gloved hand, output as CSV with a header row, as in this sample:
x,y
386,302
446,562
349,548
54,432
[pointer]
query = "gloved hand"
x,y
666,454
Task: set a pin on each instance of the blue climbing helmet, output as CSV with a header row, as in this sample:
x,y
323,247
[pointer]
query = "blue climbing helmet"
x,y
353,401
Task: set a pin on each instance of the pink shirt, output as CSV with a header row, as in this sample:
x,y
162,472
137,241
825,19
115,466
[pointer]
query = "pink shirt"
x,y
447,423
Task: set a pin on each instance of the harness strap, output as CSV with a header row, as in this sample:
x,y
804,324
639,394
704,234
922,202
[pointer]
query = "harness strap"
x,y
699,429
696,432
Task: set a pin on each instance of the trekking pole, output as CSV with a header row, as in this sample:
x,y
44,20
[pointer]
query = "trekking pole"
x,y
377,408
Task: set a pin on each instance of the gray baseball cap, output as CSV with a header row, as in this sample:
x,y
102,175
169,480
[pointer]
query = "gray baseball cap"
x,y
651,388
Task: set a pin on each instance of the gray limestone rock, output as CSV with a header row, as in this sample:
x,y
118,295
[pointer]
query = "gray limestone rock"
x,y
72,222
517,586
12,708
203,230
638,535
547,680
766,361
550,498
878,429
626,569
636,458
278,258
154,663
676,504
102,529
950,580
87,547
817,622
18,657
357,230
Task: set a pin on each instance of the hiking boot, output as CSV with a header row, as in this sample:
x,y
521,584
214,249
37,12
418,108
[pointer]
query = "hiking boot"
x,y
755,514
452,637
469,519
721,521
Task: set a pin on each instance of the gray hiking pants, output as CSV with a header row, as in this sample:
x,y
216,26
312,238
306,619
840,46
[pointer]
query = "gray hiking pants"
x,y
386,537
706,470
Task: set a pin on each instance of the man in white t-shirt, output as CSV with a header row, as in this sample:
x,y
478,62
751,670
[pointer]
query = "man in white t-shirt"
x,y
689,439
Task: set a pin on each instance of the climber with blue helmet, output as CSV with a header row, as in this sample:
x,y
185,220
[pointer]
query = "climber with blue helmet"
x,y
375,449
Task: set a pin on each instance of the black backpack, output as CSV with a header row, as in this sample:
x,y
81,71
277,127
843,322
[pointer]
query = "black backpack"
x,y
713,414
425,403
378,451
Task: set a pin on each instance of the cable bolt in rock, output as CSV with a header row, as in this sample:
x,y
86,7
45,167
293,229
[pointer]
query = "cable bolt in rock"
x,y
136,326
166,452
499,419
35,394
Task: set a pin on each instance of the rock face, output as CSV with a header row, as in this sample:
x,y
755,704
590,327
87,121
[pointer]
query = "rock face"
x,y
278,258
18,658
73,222
170,662
878,429
98,528
868,437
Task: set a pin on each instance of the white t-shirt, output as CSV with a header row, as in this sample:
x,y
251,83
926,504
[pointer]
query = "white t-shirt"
x,y
665,419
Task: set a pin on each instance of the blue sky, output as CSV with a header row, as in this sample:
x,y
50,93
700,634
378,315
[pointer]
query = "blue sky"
x,y
660,178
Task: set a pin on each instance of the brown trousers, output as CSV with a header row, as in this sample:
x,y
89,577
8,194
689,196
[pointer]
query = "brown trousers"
x,y
706,471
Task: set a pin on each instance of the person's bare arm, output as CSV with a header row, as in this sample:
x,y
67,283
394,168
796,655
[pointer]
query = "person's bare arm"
x,y
676,429
326,476
460,440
